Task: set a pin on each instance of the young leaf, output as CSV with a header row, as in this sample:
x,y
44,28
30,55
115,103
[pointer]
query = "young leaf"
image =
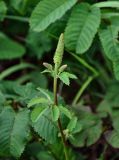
x,y
82,27
55,113
37,112
37,100
14,132
72,76
47,12
11,50
72,124
64,78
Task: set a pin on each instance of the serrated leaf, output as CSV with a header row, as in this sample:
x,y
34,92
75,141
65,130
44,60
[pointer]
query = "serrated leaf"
x,y
70,75
10,49
65,111
47,12
37,100
55,113
37,112
72,124
82,27
14,132
46,128
3,10
64,78
109,40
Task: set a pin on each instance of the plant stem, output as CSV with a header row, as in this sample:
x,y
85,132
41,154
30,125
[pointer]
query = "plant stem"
x,y
82,89
59,121
84,63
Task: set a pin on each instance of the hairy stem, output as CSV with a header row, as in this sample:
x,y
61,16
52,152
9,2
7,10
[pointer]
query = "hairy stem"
x,y
59,121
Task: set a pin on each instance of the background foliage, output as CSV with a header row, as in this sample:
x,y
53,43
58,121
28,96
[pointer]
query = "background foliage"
x,y
29,30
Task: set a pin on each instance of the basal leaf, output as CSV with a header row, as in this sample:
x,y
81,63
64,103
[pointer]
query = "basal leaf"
x,y
14,132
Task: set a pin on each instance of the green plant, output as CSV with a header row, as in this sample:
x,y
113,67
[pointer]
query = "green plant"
x,y
59,122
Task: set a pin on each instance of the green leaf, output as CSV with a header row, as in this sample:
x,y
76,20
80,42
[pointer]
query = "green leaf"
x,y
88,125
19,5
72,76
14,132
25,93
38,44
116,69
37,112
47,12
3,10
82,27
37,100
46,93
55,113
46,127
10,49
110,42
72,124
87,137
64,78
112,138
65,111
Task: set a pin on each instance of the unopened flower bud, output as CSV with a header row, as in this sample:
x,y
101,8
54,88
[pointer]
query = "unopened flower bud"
x,y
62,68
47,65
